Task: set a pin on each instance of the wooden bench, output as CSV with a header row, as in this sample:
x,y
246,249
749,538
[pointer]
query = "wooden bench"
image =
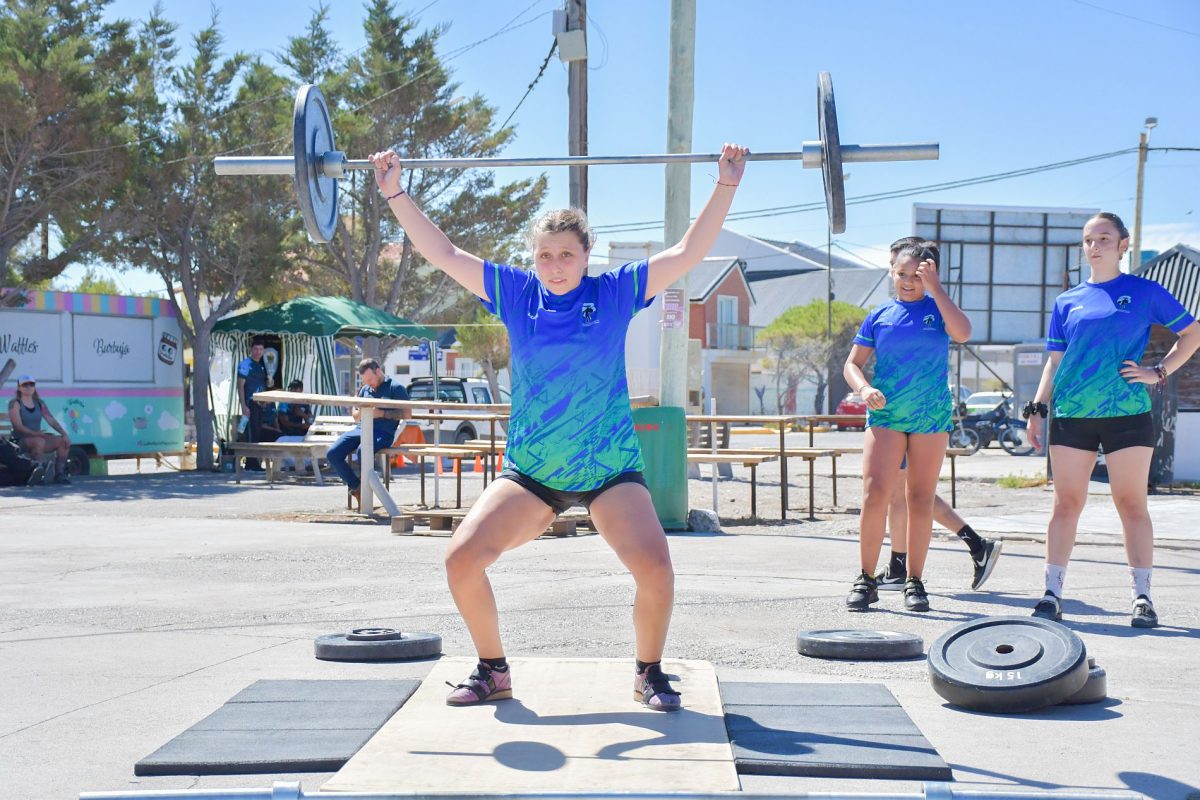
x,y
455,452
951,452
447,520
751,460
809,454
274,452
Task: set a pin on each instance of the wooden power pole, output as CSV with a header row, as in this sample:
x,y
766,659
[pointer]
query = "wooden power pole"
x,y
577,130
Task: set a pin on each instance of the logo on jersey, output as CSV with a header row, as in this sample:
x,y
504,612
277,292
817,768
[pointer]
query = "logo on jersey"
x,y
1123,302
589,313
928,320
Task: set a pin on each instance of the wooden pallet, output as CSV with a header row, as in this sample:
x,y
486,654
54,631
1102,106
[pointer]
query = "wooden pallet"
x,y
444,521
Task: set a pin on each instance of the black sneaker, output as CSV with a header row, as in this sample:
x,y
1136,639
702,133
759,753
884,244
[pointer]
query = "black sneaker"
x,y
863,593
915,598
62,477
38,476
887,582
986,562
1144,615
1049,607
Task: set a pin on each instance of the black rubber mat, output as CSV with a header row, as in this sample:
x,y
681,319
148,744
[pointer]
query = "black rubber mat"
x,y
282,726
838,730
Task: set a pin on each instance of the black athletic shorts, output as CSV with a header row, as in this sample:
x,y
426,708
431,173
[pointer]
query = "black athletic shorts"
x,y
1110,433
560,500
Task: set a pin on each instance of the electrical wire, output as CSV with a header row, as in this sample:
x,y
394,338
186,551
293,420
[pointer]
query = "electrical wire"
x,y
528,90
1135,19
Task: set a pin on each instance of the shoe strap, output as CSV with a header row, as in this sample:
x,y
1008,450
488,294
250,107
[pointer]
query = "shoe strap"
x,y
657,683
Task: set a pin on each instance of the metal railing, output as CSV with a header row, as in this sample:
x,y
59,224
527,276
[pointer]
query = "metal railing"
x,y
731,337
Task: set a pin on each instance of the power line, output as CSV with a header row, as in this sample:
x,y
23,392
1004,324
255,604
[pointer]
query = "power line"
x,y
1135,19
541,72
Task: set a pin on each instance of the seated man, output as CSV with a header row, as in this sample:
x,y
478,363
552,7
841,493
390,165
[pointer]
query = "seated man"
x,y
295,418
378,385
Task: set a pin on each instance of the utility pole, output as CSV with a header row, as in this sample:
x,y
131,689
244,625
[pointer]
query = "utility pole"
x,y
577,125
681,79
1135,250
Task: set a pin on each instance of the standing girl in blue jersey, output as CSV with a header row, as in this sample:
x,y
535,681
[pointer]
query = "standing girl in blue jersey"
x,y
571,437
1093,382
909,412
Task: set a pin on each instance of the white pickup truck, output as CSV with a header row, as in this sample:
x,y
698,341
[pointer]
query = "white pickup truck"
x,y
455,390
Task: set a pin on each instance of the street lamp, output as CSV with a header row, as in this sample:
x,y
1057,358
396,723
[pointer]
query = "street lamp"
x,y
1135,252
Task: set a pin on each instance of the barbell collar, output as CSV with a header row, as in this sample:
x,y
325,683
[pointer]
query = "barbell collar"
x,y
334,164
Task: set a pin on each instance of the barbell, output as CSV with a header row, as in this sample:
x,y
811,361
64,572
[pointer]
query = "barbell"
x,y
316,166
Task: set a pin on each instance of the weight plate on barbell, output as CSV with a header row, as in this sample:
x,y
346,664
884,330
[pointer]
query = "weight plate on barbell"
x,y
1095,690
859,645
312,137
831,155
366,644
1007,664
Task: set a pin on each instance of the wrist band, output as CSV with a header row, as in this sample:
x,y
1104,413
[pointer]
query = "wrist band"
x,y
719,183
1030,408
397,194
1160,370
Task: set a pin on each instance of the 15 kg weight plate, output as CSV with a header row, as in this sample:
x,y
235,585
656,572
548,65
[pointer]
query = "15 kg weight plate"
x,y
831,158
312,137
1007,664
859,645
377,644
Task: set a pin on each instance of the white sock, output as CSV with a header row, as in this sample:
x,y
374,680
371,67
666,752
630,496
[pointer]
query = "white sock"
x,y
1140,579
1055,577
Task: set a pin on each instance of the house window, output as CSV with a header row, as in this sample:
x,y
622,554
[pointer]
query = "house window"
x,y
727,317
402,369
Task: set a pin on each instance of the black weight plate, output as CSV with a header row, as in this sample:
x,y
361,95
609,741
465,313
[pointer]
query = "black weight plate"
x,y
831,157
1007,664
1095,690
338,647
859,645
312,137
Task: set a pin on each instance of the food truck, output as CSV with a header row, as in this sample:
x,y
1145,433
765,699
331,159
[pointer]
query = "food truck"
x,y
109,367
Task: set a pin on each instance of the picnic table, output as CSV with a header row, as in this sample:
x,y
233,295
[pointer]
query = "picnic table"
x,y
712,420
372,486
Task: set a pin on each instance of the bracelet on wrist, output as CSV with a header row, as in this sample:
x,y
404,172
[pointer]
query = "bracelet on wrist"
x,y
1030,408
722,183
1160,370
390,198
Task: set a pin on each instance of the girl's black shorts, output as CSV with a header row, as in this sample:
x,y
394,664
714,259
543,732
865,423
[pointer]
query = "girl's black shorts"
x,y
560,500
1110,433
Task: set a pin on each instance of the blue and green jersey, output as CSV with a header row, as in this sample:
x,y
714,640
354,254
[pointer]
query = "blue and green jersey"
x,y
1099,326
912,362
571,427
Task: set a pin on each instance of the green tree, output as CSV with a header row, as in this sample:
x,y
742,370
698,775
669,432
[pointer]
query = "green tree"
x,y
64,94
398,93
801,346
485,339
214,242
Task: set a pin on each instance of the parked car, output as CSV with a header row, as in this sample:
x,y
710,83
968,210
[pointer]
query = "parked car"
x,y
851,404
455,390
983,402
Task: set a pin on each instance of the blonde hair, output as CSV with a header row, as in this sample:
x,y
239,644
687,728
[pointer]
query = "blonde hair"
x,y
563,220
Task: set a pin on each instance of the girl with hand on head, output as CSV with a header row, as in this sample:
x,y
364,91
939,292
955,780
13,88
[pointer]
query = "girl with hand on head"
x,y
1096,388
909,412
571,437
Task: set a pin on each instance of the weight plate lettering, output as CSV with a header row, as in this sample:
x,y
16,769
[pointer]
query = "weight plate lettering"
x,y
859,645
375,644
1007,664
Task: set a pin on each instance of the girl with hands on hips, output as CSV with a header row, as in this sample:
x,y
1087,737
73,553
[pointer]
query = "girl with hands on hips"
x,y
567,332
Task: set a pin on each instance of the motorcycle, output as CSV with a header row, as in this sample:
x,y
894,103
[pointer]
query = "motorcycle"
x,y
975,431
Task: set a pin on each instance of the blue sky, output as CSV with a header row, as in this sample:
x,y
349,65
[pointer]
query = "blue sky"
x,y
1002,86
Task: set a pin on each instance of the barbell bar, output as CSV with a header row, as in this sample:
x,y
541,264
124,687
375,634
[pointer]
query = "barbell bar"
x,y
316,166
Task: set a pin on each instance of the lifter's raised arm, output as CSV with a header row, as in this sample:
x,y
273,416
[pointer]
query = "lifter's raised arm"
x,y
426,237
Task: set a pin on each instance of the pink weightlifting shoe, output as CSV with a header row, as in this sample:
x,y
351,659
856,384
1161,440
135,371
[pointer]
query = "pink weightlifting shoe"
x,y
484,685
653,690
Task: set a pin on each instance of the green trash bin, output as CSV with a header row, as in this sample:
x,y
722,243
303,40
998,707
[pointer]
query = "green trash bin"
x,y
662,433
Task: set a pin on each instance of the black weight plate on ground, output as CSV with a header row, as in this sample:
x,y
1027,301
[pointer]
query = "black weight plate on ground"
x,y
312,137
337,647
1007,664
859,645
1095,690
831,157
374,635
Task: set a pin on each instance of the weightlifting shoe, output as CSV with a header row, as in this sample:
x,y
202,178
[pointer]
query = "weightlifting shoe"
x,y
653,690
915,598
483,685
1049,607
986,562
887,582
864,592
1144,615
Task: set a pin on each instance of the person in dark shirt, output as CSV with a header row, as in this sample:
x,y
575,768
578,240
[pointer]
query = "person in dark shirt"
x,y
295,418
378,385
251,379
